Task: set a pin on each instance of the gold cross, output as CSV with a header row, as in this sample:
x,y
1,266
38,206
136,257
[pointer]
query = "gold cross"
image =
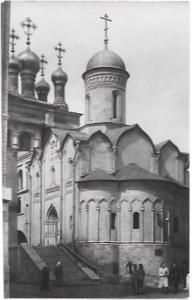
x,y
29,25
106,18
60,50
43,63
13,37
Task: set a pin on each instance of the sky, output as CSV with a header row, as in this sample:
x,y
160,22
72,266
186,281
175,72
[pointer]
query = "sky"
x,y
152,38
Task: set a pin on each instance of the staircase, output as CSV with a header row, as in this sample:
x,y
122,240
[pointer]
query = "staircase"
x,y
73,271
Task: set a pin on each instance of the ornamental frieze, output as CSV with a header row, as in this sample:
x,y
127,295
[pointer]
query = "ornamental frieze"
x,y
105,80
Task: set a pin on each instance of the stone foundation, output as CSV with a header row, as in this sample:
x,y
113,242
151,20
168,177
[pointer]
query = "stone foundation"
x,y
111,258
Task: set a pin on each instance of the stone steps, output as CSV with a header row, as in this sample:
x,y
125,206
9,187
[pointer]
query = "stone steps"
x,y
72,272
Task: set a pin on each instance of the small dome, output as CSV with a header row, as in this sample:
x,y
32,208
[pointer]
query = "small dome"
x,y
14,63
29,60
42,85
105,58
59,74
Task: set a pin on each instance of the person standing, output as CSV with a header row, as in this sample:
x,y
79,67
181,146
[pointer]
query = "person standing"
x,y
140,278
174,276
59,273
45,277
163,278
184,272
134,275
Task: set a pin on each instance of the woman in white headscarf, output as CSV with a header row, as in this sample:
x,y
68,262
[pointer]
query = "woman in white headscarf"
x,y
163,277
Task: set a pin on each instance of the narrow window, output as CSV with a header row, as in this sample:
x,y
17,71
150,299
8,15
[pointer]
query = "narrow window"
x,y
136,220
25,141
37,181
20,180
19,205
88,107
114,104
113,220
175,224
8,138
70,222
52,175
70,166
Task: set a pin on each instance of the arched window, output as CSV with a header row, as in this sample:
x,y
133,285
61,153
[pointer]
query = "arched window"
x,y
114,107
52,175
20,180
113,220
25,141
19,205
135,220
88,101
175,224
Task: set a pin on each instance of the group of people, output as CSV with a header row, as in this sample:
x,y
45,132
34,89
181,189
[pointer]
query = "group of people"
x,y
137,275
45,272
167,278
173,277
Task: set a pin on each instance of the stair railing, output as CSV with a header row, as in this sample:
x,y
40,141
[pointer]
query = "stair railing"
x,y
80,258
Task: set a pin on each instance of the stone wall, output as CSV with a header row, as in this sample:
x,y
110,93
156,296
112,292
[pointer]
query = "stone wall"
x,y
111,258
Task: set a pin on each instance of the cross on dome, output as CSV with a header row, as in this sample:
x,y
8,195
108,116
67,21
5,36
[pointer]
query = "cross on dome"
x,y
60,50
43,63
13,36
29,26
106,18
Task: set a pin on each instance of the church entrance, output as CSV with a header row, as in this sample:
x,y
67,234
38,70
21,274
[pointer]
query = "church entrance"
x,y
51,227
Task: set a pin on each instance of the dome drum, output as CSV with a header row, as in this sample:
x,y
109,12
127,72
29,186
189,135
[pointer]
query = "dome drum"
x,y
105,78
27,84
14,68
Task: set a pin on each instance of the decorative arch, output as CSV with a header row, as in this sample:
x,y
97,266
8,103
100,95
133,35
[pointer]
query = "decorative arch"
x,y
103,220
99,132
92,220
52,214
21,237
136,128
135,204
148,220
158,219
125,220
51,227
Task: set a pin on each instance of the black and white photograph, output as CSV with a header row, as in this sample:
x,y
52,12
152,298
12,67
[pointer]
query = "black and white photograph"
x,y
95,149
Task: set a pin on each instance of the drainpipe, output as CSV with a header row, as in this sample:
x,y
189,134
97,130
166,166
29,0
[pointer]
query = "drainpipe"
x,y
75,160
41,204
61,201
30,206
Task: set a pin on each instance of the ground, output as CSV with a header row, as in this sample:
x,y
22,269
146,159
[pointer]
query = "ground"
x,y
89,291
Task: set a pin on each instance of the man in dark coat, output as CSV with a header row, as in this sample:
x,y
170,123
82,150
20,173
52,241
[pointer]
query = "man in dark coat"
x,y
174,276
45,278
59,273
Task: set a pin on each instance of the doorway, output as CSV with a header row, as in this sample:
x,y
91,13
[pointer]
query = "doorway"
x,y
51,227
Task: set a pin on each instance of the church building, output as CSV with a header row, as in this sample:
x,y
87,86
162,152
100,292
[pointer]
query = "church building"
x,y
104,188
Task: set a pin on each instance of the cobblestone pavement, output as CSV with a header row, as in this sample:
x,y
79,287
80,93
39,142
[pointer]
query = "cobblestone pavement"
x,y
88,291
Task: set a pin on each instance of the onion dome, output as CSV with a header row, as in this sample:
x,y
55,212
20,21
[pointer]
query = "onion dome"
x,y
42,88
14,64
29,60
59,78
105,58
59,75
42,85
